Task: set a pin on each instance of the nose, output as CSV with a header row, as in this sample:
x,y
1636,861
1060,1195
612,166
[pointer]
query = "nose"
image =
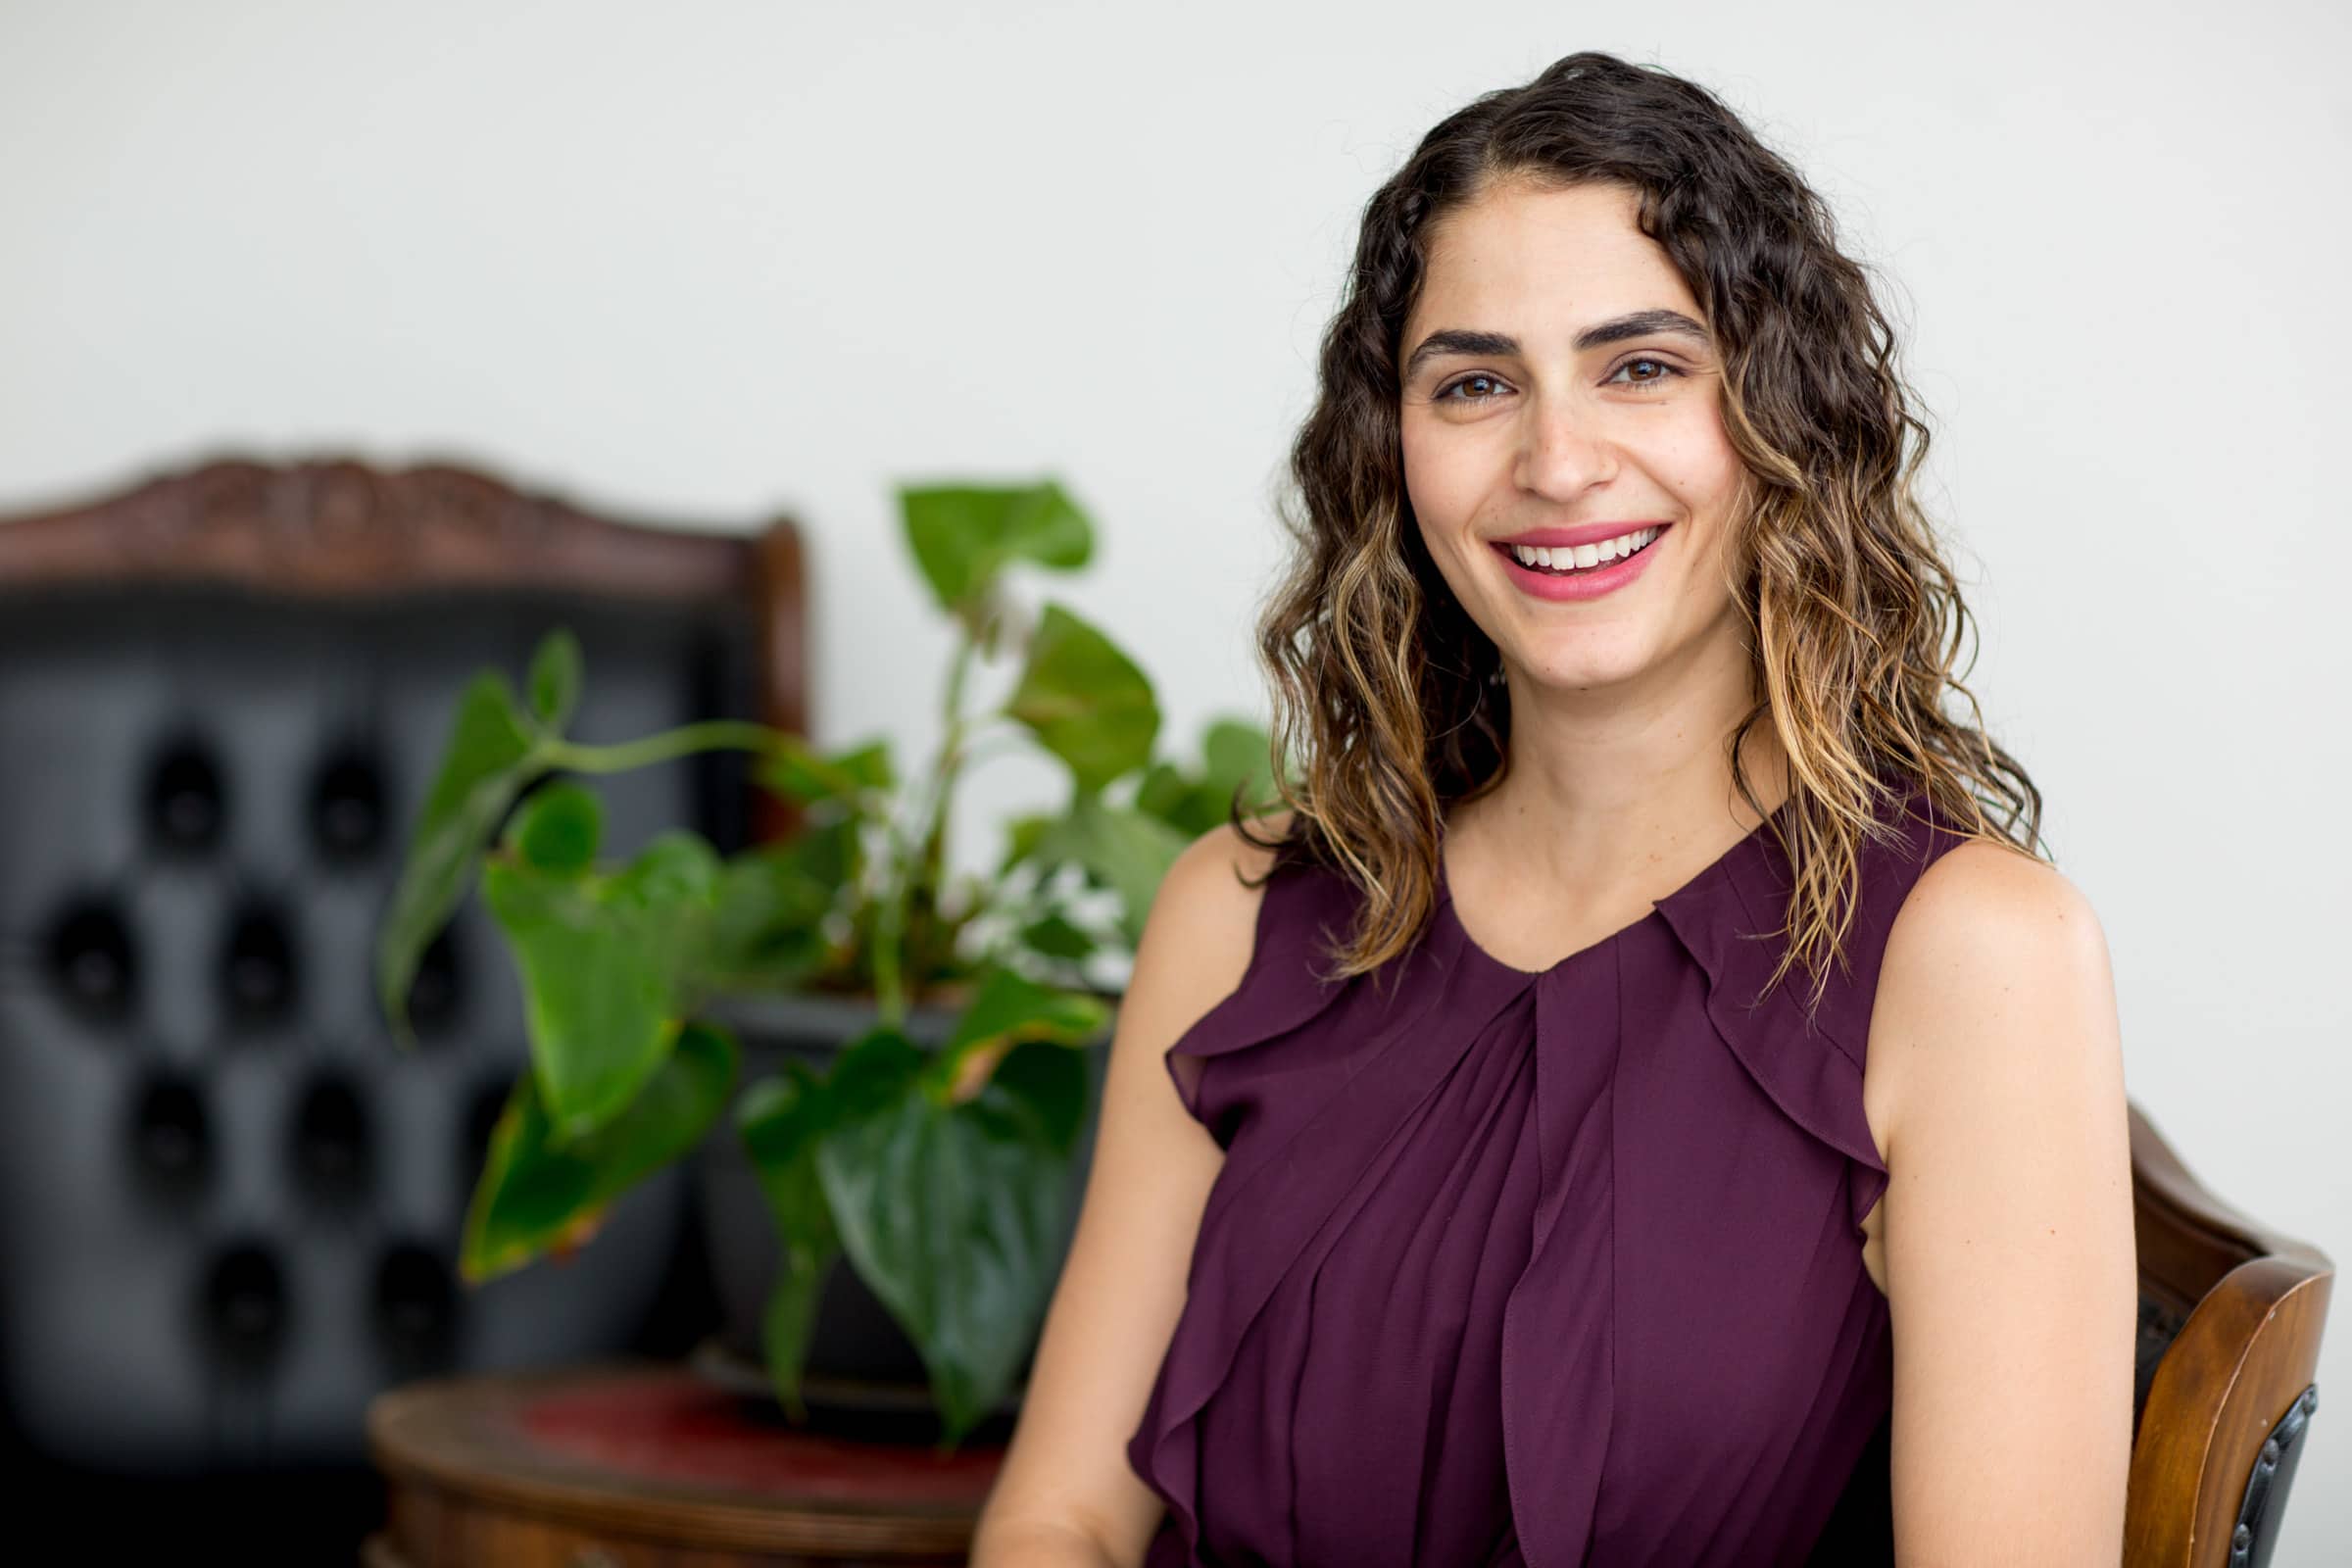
x,y
1562,449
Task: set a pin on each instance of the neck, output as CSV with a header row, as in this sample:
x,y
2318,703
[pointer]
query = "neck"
x,y
1608,799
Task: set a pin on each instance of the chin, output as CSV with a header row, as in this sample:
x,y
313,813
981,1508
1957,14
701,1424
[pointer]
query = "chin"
x,y
1584,675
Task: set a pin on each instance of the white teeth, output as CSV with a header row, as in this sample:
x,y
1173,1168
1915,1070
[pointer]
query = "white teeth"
x,y
1560,557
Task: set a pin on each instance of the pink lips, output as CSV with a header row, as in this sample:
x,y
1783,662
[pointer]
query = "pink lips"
x,y
1591,534
1593,584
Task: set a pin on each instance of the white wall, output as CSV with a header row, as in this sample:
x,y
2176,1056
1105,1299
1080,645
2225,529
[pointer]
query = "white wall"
x,y
712,260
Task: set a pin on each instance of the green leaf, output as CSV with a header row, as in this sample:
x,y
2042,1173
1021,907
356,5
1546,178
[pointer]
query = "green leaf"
x,y
1043,1087
772,902
675,868
535,1193
487,761
1235,758
558,829
553,682
781,1120
873,1072
1086,701
1236,753
788,1322
954,1215
1120,848
1010,1009
963,535
795,770
603,964
866,767
1022,835
1056,938
1167,792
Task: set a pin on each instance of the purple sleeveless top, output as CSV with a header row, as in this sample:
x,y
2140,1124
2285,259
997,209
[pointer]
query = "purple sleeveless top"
x,y
1532,1269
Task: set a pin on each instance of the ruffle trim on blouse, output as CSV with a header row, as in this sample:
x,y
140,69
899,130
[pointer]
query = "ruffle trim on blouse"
x,y
1295,1204
1811,1068
1278,992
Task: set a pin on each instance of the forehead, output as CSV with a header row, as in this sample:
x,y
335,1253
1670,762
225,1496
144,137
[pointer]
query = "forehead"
x,y
1519,256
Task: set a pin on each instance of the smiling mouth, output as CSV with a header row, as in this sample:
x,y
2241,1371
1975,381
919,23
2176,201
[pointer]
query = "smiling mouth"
x,y
1533,560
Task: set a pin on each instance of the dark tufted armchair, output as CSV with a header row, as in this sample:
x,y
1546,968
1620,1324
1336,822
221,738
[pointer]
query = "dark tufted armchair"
x,y
231,1204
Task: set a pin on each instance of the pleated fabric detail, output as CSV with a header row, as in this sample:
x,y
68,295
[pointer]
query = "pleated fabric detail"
x,y
1551,1268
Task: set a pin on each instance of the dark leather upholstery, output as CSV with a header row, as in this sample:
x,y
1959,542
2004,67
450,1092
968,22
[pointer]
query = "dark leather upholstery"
x,y
232,1203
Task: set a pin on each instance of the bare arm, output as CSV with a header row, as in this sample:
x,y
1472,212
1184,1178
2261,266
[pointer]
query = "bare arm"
x,y
2011,1270
1066,1496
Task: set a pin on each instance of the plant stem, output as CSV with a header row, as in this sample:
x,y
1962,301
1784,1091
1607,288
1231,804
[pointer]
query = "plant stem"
x,y
915,864
943,772
714,735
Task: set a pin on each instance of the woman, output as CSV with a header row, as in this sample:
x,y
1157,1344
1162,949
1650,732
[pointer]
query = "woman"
x,y
1635,1087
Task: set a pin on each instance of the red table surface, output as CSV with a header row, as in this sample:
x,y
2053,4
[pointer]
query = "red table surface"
x,y
663,1427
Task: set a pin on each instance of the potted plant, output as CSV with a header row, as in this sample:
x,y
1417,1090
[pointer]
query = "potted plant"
x,y
933,1148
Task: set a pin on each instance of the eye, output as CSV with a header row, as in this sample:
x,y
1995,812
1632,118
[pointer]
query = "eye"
x,y
1666,373
1445,393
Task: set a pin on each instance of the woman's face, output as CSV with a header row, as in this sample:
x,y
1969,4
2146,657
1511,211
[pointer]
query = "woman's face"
x,y
1549,387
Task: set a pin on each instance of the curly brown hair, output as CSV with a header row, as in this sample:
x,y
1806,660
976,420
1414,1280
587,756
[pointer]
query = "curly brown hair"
x,y
1852,617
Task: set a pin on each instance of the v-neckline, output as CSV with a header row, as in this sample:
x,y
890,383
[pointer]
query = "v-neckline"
x,y
1714,871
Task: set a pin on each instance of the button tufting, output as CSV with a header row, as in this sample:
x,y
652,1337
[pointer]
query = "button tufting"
x,y
347,809
436,994
331,1141
90,961
258,967
185,808
169,1139
415,1307
245,1305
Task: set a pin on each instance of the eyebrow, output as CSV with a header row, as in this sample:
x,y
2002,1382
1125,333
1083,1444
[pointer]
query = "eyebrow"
x,y
1641,323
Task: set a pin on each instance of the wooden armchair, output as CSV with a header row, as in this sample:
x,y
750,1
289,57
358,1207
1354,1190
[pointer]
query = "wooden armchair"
x,y
2229,1321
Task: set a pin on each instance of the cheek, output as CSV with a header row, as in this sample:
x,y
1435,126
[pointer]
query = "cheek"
x,y
1699,461
1443,512
1441,481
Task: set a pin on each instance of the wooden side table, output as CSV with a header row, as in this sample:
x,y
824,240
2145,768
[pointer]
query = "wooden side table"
x,y
650,1466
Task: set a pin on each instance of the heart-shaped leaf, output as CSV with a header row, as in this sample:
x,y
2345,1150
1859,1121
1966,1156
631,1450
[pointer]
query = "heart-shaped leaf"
x,y
963,535
1085,700
953,1214
1008,1011
536,1194
487,761
553,683
602,962
558,829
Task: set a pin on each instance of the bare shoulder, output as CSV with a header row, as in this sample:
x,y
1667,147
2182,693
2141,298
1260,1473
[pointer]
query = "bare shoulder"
x,y
1196,947
1988,900
1204,915
1996,961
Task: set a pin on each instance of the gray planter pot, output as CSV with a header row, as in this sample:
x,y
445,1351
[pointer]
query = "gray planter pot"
x,y
864,1375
